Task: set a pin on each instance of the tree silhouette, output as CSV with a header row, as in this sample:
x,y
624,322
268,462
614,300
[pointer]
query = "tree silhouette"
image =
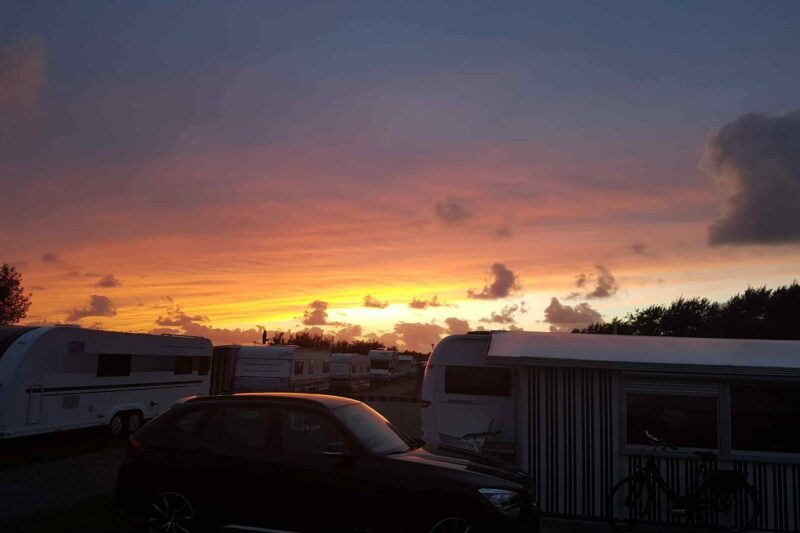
x,y
757,313
14,304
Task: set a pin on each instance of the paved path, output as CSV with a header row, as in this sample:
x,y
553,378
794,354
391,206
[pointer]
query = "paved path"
x,y
40,486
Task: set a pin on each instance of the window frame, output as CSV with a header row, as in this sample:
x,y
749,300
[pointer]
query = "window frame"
x,y
674,388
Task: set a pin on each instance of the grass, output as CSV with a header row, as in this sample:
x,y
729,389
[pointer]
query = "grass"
x,y
99,514
29,450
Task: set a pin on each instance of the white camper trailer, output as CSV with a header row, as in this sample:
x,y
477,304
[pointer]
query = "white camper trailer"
x,y
349,371
405,365
383,365
65,377
270,368
572,410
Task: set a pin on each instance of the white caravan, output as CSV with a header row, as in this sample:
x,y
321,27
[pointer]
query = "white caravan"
x,y
383,365
573,410
350,371
64,377
259,368
405,365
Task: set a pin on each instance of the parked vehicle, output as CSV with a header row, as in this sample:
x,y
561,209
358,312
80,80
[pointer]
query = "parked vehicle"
x,y
65,377
349,371
572,411
405,366
299,462
270,368
383,365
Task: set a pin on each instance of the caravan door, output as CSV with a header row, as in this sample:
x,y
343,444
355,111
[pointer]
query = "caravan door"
x,y
35,403
475,409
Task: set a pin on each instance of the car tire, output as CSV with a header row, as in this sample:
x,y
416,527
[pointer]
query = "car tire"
x,y
171,512
133,421
116,425
450,519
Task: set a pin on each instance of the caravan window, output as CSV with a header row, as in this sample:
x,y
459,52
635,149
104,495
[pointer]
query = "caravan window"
x,y
183,365
381,364
203,365
326,367
765,418
477,381
113,364
299,367
683,421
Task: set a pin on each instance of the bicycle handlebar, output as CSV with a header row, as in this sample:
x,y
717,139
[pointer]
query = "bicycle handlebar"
x,y
658,442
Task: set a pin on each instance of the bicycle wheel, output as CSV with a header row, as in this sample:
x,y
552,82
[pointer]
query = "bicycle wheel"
x,y
629,502
731,511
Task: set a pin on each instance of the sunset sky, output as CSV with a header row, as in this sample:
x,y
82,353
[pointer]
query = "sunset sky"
x,y
397,170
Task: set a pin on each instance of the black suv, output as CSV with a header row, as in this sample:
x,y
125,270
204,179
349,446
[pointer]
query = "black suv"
x,y
310,462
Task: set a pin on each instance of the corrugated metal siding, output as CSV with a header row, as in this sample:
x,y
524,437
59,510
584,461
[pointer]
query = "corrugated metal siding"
x,y
572,432
574,457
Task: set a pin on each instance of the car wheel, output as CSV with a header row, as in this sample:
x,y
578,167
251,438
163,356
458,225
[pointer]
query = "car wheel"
x,y
115,425
171,512
133,422
451,524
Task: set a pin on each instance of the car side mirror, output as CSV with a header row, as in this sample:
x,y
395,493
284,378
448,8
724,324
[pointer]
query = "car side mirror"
x,y
335,449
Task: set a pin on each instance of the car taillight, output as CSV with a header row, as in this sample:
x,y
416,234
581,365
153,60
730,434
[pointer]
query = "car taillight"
x,y
134,447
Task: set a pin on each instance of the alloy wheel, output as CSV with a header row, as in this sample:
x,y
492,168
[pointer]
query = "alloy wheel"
x,y
171,513
452,524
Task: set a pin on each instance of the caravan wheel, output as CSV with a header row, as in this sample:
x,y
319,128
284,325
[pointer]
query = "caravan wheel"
x,y
115,425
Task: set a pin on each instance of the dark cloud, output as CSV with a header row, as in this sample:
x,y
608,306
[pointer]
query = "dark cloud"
x,y
98,306
418,337
639,248
22,74
456,325
605,284
451,211
108,281
369,301
176,321
349,333
52,257
416,303
563,318
757,156
503,231
505,283
317,315
506,314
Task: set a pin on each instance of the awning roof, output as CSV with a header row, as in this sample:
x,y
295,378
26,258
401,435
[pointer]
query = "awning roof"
x,y
661,354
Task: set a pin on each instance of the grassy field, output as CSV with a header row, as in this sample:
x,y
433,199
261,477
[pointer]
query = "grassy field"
x,y
28,450
94,515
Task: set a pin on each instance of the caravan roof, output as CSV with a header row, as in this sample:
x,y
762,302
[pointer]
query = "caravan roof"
x,y
662,354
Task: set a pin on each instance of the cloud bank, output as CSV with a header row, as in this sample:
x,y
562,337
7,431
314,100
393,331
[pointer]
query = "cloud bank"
x,y
504,283
563,318
98,306
757,156
369,301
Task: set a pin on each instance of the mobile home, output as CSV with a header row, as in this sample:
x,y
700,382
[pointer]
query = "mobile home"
x,y
349,371
405,365
572,410
270,368
64,377
383,365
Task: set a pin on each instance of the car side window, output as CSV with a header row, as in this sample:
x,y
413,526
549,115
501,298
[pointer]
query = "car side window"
x,y
307,432
197,424
245,427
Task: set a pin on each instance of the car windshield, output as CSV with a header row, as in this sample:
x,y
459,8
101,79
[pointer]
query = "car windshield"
x,y
373,431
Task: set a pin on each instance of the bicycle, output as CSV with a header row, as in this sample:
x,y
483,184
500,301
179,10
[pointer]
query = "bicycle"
x,y
722,500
